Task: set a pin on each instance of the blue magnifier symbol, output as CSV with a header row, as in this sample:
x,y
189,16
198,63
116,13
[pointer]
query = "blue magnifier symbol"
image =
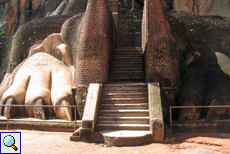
x,y
9,141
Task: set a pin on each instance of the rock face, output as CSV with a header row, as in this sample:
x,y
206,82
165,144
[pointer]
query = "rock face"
x,y
16,13
206,85
202,43
203,7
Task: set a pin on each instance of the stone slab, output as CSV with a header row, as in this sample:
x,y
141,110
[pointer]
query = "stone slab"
x,y
156,112
91,106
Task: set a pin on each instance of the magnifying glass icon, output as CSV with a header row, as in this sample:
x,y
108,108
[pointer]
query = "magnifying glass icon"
x,y
9,141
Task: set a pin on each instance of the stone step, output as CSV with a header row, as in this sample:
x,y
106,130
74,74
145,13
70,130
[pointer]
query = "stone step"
x,y
127,57
126,75
124,89
127,52
126,137
137,49
124,95
118,113
131,72
124,100
127,71
125,85
126,79
123,120
138,68
136,106
122,127
128,66
126,63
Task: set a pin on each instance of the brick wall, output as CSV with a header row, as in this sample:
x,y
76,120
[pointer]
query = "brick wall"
x,y
114,9
96,44
160,57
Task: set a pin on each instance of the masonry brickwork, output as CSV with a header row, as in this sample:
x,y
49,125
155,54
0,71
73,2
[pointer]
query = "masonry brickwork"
x,y
96,44
160,59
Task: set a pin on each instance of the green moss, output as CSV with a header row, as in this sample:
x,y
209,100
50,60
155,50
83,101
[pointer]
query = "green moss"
x,y
2,29
79,26
227,73
186,72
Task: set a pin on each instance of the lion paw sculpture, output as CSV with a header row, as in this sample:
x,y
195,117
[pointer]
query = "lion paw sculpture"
x,y
44,78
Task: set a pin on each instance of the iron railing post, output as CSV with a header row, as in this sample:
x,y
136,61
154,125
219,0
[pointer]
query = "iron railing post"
x,y
75,117
7,116
170,110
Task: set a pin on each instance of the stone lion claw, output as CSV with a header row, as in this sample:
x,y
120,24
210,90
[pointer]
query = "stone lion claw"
x,y
44,78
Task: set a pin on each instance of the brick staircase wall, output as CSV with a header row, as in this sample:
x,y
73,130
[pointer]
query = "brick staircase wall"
x,y
161,62
98,37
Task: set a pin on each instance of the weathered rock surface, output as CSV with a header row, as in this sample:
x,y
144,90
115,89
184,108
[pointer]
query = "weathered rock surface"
x,y
71,31
203,46
15,13
206,85
203,7
5,48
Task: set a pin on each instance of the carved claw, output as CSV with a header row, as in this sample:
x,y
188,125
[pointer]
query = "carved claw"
x,y
13,111
40,112
216,113
189,114
64,113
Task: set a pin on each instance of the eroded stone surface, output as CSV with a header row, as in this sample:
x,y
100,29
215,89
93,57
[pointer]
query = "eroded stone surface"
x,y
16,13
207,84
203,7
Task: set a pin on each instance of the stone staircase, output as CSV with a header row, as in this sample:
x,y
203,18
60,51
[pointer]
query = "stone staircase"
x,y
124,107
127,65
123,111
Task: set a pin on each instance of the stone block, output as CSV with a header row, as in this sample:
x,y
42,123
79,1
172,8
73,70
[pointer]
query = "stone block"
x,y
155,112
157,129
91,106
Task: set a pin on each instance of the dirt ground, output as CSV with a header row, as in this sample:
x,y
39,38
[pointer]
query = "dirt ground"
x,y
40,142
